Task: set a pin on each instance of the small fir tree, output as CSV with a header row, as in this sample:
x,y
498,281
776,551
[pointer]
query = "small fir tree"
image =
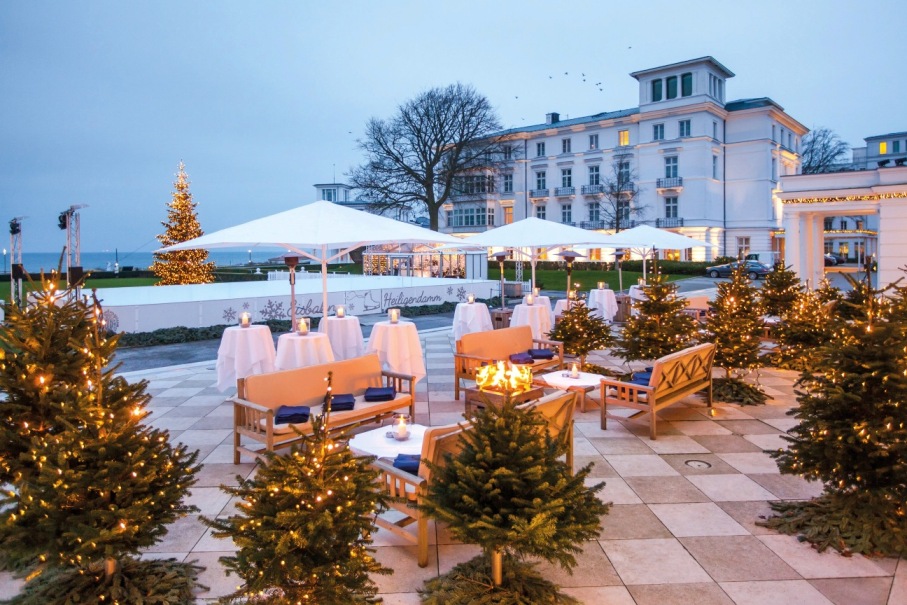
x,y
805,327
735,326
853,303
182,266
90,485
581,331
305,526
827,293
660,327
509,492
779,292
852,436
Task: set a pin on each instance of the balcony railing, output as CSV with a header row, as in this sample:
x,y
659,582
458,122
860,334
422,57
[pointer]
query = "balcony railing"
x,y
671,183
468,229
593,189
538,193
668,222
594,225
568,223
564,191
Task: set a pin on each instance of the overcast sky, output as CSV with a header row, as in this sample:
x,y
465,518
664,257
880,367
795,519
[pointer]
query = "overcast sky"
x,y
99,101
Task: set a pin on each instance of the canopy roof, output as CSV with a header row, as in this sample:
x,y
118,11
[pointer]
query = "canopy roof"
x,y
645,236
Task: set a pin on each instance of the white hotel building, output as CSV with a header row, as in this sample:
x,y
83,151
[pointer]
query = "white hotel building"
x,y
707,168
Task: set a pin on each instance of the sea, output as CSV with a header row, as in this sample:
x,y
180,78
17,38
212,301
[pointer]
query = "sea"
x,y
105,261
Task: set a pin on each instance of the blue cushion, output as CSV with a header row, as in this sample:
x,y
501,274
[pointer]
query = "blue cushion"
x,y
408,463
521,358
342,402
380,393
639,381
541,353
291,414
646,376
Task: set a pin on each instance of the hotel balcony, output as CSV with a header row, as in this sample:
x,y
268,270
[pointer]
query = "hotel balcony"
x,y
663,223
594,225
593,189
671,183
538,193
564,191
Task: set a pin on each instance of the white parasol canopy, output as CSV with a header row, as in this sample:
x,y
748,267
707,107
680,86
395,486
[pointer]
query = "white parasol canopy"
x,y
649,239
313,231
533,233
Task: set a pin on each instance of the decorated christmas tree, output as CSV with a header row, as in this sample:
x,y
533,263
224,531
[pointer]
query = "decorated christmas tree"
x,y
304,528
779,292
89,484
735,326
508,491
852,437
581,331
805,327
828,293
660,327
182,266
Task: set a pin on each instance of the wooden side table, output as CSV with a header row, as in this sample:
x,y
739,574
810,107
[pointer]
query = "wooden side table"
x,y
500,318
478,399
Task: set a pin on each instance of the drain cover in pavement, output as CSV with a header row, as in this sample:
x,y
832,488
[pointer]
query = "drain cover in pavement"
x,y
698,464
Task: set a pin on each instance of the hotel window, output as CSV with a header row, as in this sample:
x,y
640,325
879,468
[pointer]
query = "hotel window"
x,y
843,224
883,147
743,246
566,177
658,132
508,183
715,130
829,226
859,224
656,90
508,152
566,213
714,166
684,128
686,84
539,149
774,128
623,210
670,207
565,145
508,215
774,170
623,173
671,167
594,175
623,138
593,141
540,180
672,87
895,147
540,211
594,212
329,195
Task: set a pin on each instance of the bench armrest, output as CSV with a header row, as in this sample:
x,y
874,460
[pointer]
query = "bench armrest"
x,y
251,405
395,481
397,380
626,391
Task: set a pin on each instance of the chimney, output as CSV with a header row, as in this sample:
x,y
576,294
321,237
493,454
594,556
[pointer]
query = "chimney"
x,y
552,118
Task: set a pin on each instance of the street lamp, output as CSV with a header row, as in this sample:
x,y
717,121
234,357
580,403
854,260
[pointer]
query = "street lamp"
x,y
250,257
501,257
4,261
569,256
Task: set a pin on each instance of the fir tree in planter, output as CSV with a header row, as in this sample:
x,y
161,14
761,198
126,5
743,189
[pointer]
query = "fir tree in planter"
x,y
779,292
735,326
804,328
581,331
305,526
660,328
90,484
852,436
508,491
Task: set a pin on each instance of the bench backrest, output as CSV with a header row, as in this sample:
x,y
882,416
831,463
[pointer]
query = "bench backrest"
x,y
698,302
557,409
438,441
306,386
496,344
678,371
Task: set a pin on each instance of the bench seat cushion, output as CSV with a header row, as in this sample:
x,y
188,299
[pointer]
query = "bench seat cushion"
x,y
363,409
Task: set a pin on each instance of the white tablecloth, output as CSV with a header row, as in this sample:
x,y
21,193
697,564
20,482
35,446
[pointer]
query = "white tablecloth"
x,y
603,303
345,335
636,294
542,301
559,380
244,352
471,317
295,351
398,347
561,305
537,317
377,443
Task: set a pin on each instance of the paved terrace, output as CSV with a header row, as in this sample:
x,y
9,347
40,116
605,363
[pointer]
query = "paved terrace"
x,y
682,526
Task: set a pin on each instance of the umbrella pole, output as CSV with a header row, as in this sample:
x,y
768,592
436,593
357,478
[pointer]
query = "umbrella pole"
x,y
324,283
292,298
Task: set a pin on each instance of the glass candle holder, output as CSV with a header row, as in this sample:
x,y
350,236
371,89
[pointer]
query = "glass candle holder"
x,y
340,312
401,427
393,315
574,371
245,320
530,299
535,291
302,326
470,298
601,285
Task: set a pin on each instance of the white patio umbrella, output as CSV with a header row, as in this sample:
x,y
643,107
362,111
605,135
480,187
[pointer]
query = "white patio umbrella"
x,y
649,239
534,233
312,231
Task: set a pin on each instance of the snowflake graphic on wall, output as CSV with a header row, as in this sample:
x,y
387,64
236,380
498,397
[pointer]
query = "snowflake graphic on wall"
x,y
111,320
272,310
351,307
229,315
246,306
449,290
461,294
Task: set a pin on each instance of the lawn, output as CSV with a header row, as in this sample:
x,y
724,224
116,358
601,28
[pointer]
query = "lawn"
x,y
119,282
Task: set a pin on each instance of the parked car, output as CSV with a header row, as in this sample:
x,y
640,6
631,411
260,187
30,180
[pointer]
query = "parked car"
x,y
830,260
754,269
840,259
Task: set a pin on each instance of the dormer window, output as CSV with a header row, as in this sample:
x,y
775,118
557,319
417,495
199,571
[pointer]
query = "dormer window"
x,y
672,87
656,90
686,85
716,87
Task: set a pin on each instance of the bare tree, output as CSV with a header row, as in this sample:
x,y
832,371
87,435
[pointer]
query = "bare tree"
x,y
421,156
619,195
822,151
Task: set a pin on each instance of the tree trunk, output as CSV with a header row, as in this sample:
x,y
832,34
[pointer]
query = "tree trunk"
x,y
111,566
497,567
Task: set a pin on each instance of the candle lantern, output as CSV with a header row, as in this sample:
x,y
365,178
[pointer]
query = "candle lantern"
x,y
574,371
393,315
401,427
340,312
245,320
530,299
601,285
535,291
302,326
470,298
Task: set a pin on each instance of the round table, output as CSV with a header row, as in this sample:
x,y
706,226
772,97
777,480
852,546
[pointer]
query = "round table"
x,y
298,351
376,442
584,383
244,352
345,335
561,305
471,317
543,301
537,317
603,303
398,347
636,294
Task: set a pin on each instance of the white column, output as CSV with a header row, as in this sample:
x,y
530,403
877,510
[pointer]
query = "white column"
x,y
892,253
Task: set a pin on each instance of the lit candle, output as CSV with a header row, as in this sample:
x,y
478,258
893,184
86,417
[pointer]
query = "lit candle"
x,y
574,371
571,294
535,291
394,315
601,285
530,299
470,298
245,320
341,312
302,326
402,431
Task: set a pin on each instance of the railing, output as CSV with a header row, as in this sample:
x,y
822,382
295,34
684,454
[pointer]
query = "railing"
x,y
564,191
671,183
538,193
593,189
468,229
568,223
594,225
668,222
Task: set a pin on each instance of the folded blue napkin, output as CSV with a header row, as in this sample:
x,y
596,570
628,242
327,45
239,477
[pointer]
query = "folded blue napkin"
x,y
342,402
380,393
521,358
641,376
408,463
291,414
541,353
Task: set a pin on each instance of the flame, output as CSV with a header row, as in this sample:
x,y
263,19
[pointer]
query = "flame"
x,y
504,377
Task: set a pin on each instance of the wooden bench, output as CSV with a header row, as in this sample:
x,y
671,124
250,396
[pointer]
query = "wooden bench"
x,y
674,377
557,410
480,348
259,397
